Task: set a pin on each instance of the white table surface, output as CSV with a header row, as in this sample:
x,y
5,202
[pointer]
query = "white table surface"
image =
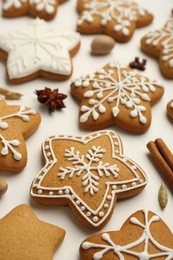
x,y
66,122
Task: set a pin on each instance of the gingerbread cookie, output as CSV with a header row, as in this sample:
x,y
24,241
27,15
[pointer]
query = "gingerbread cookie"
x,y
117,18
88,174
24,236
143,236
17,123
159,44
45,9
38,50
169,109
116,94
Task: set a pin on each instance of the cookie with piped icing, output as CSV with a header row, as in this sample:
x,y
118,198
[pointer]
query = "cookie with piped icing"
x,y
144,235
88,174
159,44
17,123
169,109
24,236
38,50
45,9
116,18
116,95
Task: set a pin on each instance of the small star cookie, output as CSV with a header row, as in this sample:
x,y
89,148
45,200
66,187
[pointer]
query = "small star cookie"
x,y
117,18
24,236
116,94
45,9
38,50
143,236
159,44
17,123
88,174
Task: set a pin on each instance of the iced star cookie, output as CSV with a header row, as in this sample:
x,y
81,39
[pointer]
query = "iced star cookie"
x,y
143,236
38,50
169,109
17,123
116,94
117,18
88,174
159,44
24,236
45,9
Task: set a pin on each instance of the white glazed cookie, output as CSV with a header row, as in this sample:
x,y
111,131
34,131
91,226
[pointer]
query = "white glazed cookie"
x,y
45,9
159,44
17,123
116,94
38,50
88,174
117,18
143,236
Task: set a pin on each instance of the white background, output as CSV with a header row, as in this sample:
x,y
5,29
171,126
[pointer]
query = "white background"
x,y
66,122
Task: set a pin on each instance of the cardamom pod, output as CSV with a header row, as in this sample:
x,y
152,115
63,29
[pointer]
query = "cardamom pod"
x,y
163,196
9,94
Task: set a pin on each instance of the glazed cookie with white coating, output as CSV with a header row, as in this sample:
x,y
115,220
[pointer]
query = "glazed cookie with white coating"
x,y
17,123
88,174
144,235
116,94
116,18
38,50
45,9
159,44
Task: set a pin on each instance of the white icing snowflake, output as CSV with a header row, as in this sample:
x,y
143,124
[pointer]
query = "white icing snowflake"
x,y
103,91
90,180
48,5
121,12
8,145
38,47
145,239
164,38
7,4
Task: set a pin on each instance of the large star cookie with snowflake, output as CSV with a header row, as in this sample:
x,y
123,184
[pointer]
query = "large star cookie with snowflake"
x,y
116,94
117,18
17,123
38,50
88,174
159,44
45,9
143,236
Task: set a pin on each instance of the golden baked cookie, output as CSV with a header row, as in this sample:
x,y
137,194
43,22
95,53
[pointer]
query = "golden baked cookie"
x,y
143,236
116,94
159,44
88,174
169,109
25,237
17,123
117,18
38,50
45,9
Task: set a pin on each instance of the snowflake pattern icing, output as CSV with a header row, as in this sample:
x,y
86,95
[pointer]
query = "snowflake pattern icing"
x,y
128,90
144,239
37,47
89,179
127,12
165,38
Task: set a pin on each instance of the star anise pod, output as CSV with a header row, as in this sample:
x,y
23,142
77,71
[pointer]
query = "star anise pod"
x,y
52,98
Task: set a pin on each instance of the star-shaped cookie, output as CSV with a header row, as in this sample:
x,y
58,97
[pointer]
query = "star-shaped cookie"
x,y
45,9
88,174
24,236
117,18
17,123
116,94
143,236
38,50
159,44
